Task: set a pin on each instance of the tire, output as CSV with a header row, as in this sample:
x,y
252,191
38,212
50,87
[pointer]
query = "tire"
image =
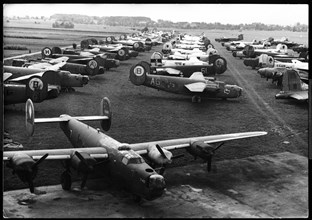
x,y
66,180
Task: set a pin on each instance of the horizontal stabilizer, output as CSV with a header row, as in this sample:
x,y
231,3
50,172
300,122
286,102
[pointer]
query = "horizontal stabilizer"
x,y
6,76
300,95
58,60
61,119
173,71
196,87
197,76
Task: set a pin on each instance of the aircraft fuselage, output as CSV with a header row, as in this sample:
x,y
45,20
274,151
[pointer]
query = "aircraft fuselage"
x,y
177,85
123,163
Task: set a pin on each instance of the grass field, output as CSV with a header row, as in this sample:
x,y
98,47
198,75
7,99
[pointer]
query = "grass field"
x,y
143,114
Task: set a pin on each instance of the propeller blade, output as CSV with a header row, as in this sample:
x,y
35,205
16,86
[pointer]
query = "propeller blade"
x,y
84,180
161,151
31,186
177,156
89,167
40,161
217,147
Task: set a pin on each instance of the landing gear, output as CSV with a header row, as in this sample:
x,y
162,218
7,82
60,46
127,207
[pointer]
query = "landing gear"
x,y
196,99
66,180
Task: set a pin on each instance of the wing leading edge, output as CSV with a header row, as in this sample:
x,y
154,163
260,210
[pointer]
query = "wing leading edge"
x,y
141,148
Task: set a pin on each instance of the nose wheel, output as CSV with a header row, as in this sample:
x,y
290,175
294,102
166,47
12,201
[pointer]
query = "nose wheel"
x,y
196,98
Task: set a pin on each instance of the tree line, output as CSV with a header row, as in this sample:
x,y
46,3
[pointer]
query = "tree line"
x,y
140,21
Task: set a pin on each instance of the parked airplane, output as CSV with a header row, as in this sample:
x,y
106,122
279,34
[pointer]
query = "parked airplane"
x,y
34,87
215,65
121,161
276,74
196,85
122,53
93,61
136,45
284,40
280,50
268,61
227,39
293,87
64,79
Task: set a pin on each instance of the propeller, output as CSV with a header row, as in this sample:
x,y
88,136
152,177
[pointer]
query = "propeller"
x,y
162,168
89,168
211,152
162,152
83,160
39,161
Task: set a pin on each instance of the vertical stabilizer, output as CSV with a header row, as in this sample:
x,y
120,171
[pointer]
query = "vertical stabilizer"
x,y
291,81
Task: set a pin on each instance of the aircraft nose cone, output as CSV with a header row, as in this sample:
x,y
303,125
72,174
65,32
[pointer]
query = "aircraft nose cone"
x,y
85,80
240,90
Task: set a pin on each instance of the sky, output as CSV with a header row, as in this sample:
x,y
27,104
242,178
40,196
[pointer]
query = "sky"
x,y
280,14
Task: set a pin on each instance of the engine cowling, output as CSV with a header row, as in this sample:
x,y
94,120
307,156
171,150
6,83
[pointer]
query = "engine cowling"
x,y
204,151
156,156
25,168
84,165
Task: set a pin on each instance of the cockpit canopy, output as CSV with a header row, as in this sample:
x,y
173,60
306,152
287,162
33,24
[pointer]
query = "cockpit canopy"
x,y
130,156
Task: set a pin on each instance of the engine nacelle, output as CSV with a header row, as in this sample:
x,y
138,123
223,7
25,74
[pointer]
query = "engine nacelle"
x,y
80,165
154,154
22,165
200,149
266,61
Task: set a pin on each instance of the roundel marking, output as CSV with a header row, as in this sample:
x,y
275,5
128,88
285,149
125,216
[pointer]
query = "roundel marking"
x,y
219,62
47,51
138,70
35,84
121,52
92,64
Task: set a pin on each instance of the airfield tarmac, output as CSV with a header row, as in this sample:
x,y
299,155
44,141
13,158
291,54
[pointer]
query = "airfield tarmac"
x,y
268,186
143,114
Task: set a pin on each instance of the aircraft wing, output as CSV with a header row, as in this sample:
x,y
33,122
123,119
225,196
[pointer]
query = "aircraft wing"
x,y
141,148
300,95
58,154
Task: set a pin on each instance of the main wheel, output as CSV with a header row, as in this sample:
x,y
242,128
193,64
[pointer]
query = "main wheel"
x,y
66,180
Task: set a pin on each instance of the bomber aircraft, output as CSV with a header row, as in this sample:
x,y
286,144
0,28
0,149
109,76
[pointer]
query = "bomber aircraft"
x,y
227,39
87,62
280,50
64,79
122,52
268,61
34,87
215,65
121,161
196,85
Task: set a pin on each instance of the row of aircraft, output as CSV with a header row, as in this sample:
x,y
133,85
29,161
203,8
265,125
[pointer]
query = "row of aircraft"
x,y
64,69
187,65
285,62
139,166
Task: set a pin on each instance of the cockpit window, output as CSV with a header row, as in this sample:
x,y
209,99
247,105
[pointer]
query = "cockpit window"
x,y
128,159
